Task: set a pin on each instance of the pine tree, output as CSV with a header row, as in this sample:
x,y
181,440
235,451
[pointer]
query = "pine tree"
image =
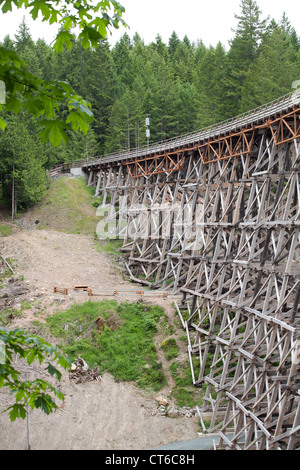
x,y
211,87
162,99
121,54
160,47
243,51
285,24
22,161
47,60
273,72
23,37
174,43
187,107
183,61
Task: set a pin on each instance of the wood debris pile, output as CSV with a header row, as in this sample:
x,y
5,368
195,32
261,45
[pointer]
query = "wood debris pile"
x,y
81,373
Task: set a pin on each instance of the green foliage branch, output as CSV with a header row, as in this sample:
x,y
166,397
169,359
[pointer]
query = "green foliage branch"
x,y
50,100
36,393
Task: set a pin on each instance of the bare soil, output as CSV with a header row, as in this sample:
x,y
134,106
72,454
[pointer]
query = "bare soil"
x,y
102,415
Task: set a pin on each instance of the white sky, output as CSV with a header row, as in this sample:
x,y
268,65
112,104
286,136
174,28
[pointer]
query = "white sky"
x,y
209,20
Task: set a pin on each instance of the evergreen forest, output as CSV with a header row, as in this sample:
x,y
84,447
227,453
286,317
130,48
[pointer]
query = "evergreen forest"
x,y
182,86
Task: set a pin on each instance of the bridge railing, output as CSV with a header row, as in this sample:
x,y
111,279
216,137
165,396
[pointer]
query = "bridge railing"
x,y
253,116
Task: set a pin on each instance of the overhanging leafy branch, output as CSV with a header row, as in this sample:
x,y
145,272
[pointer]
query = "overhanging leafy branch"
x,y
46,98
36,393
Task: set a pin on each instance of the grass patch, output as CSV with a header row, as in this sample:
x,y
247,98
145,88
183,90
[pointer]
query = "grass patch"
x,y
110,247
170,349
184,393
127,351
67,207
5,230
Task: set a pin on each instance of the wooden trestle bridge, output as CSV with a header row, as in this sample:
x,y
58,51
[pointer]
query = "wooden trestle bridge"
x,y
214,216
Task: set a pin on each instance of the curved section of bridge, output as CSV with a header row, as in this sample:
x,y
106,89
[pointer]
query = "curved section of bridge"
x,y
214,216
270,116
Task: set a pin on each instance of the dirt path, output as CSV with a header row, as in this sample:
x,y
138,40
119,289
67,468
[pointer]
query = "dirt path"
x,y
102,415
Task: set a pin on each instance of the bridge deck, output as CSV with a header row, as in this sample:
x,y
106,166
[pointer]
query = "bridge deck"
x,y
251,118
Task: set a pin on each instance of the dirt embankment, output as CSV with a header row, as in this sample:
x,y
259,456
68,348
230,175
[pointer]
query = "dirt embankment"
x,y
101,415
